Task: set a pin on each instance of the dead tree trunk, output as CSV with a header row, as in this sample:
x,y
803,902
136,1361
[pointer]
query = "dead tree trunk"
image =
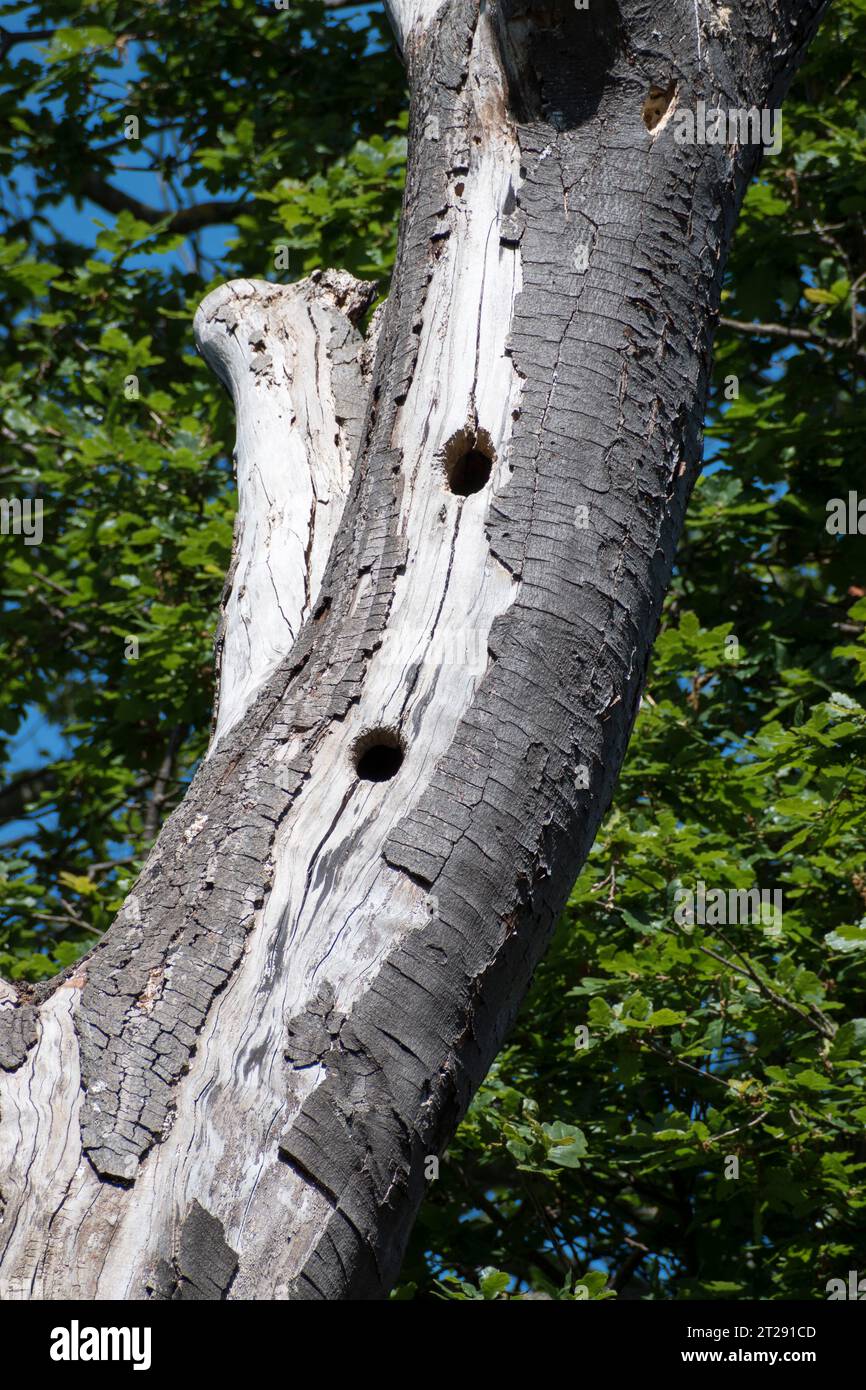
x,y
449,569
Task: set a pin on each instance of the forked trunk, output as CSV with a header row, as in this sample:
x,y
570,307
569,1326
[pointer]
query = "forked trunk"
x,y
446,583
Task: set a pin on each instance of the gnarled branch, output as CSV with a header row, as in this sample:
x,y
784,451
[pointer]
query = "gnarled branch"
x,y
291,358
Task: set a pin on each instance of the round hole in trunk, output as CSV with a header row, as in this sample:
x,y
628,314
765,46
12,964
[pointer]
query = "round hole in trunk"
x,y
378,755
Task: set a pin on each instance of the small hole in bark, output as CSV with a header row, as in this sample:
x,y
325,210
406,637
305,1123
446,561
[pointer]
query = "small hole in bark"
x,y
656,105
378,755
468,460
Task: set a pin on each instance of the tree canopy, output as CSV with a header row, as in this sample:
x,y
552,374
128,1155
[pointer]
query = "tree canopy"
x,y
679,1111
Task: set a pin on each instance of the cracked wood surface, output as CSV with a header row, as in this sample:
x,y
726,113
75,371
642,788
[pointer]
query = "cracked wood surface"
x,y
233,1095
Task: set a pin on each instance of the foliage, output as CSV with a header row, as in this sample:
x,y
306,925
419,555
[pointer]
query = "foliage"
x,y
597,1158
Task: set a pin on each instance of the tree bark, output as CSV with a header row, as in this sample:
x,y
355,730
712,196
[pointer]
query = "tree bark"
x,y
445,588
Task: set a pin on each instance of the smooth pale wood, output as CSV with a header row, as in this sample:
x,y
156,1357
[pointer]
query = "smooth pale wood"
x,y
290,358
406,15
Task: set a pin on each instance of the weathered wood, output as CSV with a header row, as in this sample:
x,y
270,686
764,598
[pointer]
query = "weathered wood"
x,y
293,460
234,1094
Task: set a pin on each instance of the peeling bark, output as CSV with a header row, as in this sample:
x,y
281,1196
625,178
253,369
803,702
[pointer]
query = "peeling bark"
x,y
234,1094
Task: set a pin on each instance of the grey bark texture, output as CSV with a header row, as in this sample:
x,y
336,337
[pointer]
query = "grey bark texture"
x,y
616,238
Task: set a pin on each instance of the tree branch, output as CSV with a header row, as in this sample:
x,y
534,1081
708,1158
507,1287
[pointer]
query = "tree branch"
x,y
24,788
793,335
112,199
8,39
289,355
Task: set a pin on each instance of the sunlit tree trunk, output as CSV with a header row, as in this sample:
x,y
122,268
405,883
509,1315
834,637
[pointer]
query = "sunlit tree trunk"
x,y
453,542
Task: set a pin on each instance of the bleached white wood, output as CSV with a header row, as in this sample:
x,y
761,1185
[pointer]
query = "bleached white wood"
x,y
40,1151
273,347
408,15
